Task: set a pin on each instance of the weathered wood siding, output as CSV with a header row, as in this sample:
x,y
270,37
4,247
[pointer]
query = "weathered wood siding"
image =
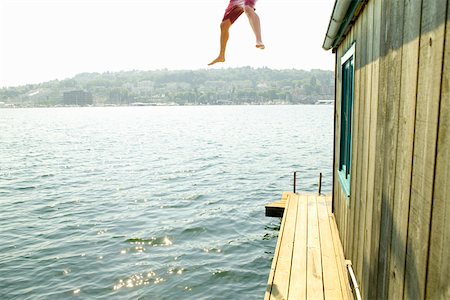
x,y
395,227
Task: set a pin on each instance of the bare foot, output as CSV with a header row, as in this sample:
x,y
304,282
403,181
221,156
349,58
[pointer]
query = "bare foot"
x,y
218,59
260,45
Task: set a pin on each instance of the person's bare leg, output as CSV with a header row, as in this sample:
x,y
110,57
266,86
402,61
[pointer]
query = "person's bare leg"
x,y
224,34
253,18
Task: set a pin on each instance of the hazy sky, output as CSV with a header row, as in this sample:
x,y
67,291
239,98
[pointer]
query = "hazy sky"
x,y
42,40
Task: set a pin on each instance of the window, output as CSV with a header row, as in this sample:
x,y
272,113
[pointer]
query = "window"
x,y
345,152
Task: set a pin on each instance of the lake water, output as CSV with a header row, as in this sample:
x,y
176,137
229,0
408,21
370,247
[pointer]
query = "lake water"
x,y
150,202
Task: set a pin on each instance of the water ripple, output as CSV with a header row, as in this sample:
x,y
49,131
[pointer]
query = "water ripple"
x,y
151,202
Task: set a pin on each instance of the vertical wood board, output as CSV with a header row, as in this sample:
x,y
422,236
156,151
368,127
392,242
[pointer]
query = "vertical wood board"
x,y
371,228
369,145
299,257
283,271
314,279
394,59
331,278
269,287
410,57
380,137
428,98
359,137
438,279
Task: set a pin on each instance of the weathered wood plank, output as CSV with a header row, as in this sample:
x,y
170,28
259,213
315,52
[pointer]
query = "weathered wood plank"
x,y
371,253
308,260
380,136
276,209
329,200
438,279
427,112
394,61
360,141
410,59
339,253
269,288
283,271
366,209
367,138
331,278
383,48
314,288
299,257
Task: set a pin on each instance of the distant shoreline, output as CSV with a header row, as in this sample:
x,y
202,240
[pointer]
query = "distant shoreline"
x,y
9,106
234,86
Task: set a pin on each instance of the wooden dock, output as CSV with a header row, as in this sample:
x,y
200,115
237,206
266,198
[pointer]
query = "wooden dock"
x,y
308,262
276,209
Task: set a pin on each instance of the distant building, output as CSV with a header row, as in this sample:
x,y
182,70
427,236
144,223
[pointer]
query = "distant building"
x,y
79,97
324,102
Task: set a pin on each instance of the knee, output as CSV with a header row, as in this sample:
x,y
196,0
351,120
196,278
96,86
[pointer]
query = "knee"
x,y
249,10
225,25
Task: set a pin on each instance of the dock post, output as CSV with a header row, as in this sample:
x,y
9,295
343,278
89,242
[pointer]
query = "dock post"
x,y
295,181
320,184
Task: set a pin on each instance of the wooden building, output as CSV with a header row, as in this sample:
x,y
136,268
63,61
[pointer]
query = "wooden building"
x,y
391,183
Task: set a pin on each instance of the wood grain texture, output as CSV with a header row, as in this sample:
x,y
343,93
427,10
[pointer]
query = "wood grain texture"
x,y
382,48
314,261
438,279
424,159
407,111
395,228
308,260
369,146
299,256
331,277
359,142
340,258
269,288
371,253
283,270
394,63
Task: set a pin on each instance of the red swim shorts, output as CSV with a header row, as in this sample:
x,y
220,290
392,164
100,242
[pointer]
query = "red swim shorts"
x,y
236,8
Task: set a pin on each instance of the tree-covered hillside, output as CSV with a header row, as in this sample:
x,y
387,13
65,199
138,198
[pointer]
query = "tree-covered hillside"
x,y
208,86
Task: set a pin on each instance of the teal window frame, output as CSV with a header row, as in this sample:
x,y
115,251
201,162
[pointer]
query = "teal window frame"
x,y
347,98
